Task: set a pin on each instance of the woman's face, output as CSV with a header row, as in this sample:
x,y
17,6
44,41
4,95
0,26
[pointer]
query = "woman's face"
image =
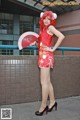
x,y
47,20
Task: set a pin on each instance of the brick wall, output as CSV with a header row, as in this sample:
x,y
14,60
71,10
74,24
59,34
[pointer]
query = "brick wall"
x,y
19,78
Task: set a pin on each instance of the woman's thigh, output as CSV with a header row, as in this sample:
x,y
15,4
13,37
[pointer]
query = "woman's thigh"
x,y
45,74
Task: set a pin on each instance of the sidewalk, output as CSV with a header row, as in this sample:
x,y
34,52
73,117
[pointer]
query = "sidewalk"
x,y
68,109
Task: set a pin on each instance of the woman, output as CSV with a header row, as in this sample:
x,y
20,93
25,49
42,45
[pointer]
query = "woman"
x,y
46,59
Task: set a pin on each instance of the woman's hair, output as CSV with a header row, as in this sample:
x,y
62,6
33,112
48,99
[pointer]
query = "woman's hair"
x,y
50,14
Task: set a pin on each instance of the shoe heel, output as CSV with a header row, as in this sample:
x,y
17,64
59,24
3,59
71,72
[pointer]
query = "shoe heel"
x,y
56,106
47,110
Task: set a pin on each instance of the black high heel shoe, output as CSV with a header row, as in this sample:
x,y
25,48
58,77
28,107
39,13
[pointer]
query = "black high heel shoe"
x,y
41,113
54,106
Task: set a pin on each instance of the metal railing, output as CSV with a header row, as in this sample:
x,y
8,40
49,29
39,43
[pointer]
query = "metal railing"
x,y
63,49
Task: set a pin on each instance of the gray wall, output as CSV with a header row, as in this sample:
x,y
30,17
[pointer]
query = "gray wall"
x,y
19,78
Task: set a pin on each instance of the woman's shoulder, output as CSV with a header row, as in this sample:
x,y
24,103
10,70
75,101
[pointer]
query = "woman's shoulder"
x,y
51,27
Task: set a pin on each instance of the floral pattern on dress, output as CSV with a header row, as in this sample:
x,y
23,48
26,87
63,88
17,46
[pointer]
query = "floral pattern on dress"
x,y
45,58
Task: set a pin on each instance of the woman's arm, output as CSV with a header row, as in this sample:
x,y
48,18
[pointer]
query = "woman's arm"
x,y
60,36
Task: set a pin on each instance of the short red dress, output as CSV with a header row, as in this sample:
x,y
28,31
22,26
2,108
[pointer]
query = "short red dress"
x,y
45,58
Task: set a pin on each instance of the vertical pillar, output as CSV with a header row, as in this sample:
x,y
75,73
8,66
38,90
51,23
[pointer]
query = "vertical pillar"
x,y
34,19
0,49
16,31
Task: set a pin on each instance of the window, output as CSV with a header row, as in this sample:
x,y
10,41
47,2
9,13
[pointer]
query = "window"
x,y
6,51
6,23
28,52
26,23
25,26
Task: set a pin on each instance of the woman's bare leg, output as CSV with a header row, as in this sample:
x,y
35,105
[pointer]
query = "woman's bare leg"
x,y
47,88
51,95
45,72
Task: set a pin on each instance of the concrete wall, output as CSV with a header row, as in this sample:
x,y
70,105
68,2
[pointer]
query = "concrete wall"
x,y
19,78
69,24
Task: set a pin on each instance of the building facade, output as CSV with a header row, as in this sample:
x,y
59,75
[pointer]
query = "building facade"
x,y
12,26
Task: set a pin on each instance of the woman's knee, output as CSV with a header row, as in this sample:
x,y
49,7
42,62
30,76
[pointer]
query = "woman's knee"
x,y
45,82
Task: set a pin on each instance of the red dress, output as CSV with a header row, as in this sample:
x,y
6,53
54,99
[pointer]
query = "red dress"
x,y
45,58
